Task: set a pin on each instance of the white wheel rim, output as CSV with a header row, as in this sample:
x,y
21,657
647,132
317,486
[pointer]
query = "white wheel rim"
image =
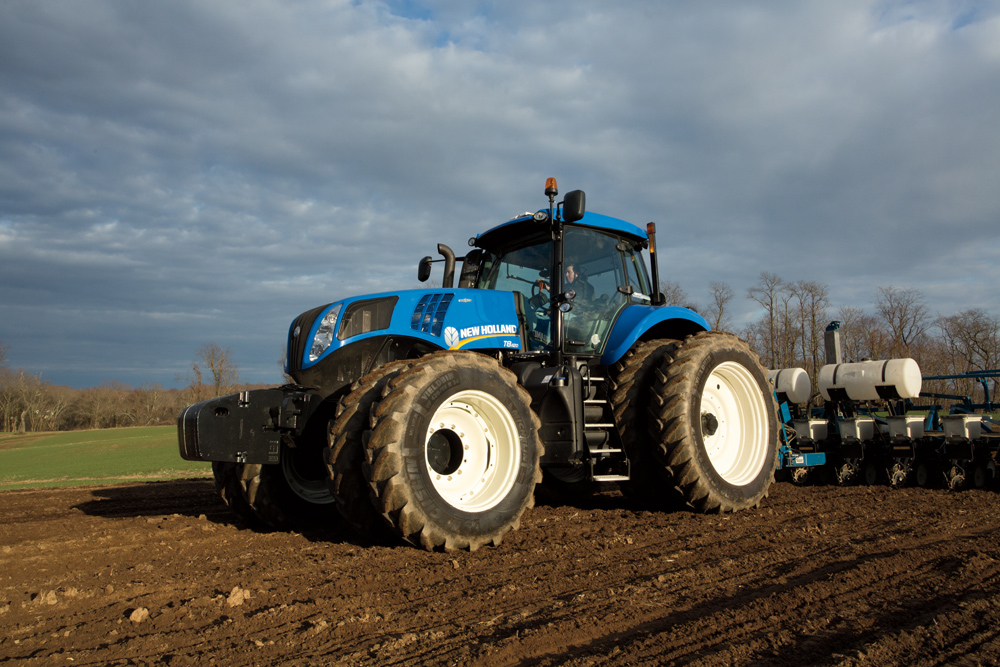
x,y
739,446
472,451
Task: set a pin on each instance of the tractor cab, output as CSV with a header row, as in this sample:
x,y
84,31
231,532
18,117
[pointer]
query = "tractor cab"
x,y
601,273
572,273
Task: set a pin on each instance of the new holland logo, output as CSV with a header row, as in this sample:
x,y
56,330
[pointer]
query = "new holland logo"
x,y
455,338
484,330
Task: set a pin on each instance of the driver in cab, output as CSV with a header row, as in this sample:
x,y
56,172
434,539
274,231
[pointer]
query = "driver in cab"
x,y
576,281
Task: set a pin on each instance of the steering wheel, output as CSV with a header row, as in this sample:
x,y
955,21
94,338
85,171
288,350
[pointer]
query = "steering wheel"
x,y
540,297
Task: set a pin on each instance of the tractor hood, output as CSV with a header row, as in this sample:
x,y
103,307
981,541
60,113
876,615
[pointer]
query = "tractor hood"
x,y
440,318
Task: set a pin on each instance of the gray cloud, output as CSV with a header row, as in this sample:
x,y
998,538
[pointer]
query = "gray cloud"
x,y
183,173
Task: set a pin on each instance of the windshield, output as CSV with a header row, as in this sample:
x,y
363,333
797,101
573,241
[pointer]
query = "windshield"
x,y
525,271
604,270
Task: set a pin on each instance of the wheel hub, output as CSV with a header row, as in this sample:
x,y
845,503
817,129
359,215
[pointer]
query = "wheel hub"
x,y
709,424
445,451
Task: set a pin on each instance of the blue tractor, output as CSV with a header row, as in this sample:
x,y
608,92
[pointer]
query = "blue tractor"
x,y
430,415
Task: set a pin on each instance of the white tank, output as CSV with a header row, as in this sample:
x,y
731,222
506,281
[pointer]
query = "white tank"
x,y
792,382
871,380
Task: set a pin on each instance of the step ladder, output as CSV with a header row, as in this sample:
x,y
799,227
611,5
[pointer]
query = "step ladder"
x,y
607,459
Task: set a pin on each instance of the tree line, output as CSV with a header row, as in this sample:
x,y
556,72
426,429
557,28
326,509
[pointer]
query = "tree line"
x,y
28,403
795,314
788,333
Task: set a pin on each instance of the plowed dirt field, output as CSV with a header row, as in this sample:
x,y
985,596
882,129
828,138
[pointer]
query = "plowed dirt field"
x,y
159,573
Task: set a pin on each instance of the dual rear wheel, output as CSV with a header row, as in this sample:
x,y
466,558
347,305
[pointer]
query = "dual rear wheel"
x,y
698,422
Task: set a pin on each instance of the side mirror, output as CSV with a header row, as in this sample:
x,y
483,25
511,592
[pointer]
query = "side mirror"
x,y
424,269
574,205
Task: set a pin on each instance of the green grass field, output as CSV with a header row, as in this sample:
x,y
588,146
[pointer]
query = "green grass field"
x,y
104,456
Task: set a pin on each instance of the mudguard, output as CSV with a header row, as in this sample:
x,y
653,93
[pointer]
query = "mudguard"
x,y
643,322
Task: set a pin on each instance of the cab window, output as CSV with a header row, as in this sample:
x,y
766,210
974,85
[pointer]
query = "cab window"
x,y
606,274
525,271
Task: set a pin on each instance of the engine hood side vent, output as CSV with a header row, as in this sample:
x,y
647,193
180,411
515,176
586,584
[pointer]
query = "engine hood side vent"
x,y
428,316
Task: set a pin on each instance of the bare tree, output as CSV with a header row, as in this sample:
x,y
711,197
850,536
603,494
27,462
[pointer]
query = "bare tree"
x,y
4,350
8,400
862,335
219,363
755,334
787,331
195,384
145,404
972,338
107,405
29,391
722,294
25,401
767,293
673,293
813,303
904,312
56,402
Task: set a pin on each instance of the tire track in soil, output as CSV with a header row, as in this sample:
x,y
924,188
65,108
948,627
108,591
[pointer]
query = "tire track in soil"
x,y
817,575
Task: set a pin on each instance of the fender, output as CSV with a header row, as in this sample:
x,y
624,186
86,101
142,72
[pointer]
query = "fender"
x,y
645,322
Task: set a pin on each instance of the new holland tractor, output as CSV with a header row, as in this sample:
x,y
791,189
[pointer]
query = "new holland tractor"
x,y
431,414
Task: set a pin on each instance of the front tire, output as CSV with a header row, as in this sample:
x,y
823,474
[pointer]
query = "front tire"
x,y
715,423
345,455
454,454
231,488
282,496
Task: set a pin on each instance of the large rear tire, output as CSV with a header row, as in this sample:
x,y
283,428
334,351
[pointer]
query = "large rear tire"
x,y
346,454
632,378
715,423
454,454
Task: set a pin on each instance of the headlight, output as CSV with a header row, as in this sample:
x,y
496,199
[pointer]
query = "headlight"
x,y
324,334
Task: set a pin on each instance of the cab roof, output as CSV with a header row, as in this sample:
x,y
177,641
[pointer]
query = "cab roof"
x,y
525,225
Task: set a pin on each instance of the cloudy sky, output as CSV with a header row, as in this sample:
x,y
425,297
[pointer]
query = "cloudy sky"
x,y
186,172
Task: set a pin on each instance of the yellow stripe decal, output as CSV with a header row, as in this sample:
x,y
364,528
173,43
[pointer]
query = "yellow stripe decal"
x,y
469,340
